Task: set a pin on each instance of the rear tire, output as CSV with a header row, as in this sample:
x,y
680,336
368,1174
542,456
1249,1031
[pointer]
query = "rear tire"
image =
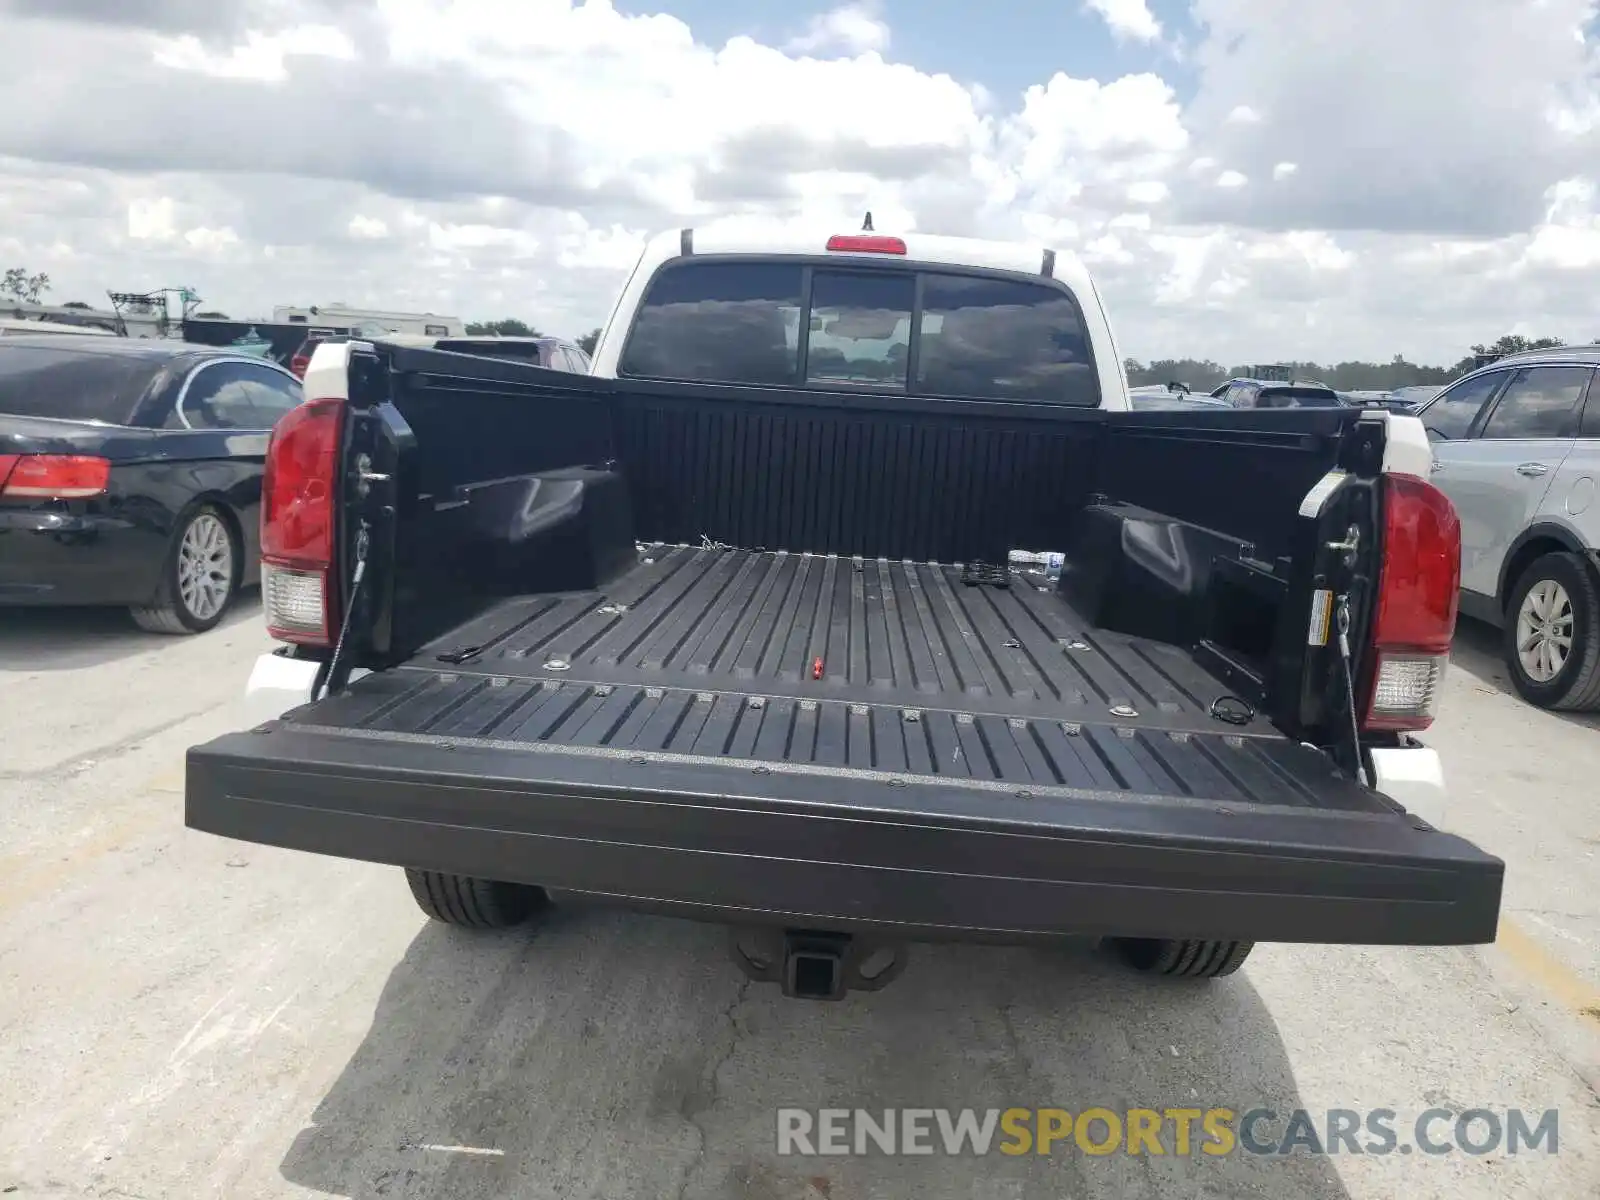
x,y
474,903
1183,958
1557,595
199,576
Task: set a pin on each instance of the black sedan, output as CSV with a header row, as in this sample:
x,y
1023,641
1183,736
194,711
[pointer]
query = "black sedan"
x,y
130,474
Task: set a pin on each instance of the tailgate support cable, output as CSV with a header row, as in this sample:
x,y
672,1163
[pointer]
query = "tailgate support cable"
x,y
1343,619
363,539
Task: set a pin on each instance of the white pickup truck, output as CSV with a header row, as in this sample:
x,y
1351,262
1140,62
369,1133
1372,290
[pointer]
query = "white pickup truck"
x,y
727,629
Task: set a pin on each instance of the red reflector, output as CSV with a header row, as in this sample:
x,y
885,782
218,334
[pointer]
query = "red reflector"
x,y
1418,593
7,461
55,476
866,243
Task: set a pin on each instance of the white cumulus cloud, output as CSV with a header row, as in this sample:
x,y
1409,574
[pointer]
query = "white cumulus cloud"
x,y
260,56
153,220
1148,191
1128,18
508,158
368,228
851,28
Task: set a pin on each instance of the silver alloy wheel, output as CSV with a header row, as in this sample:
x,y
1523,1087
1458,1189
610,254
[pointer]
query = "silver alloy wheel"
x,y
1544,630
205,567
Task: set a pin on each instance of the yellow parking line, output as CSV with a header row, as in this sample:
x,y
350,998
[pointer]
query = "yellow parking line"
x,y
25,877
168,781
1548,971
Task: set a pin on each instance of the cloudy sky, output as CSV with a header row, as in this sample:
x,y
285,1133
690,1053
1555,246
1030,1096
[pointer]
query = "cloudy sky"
x,y
1250,179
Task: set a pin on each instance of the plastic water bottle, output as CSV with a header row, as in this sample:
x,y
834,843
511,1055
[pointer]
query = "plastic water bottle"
x,y
1045,562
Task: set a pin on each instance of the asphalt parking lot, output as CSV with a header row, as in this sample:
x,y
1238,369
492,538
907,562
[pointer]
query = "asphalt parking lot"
x,y
182,1016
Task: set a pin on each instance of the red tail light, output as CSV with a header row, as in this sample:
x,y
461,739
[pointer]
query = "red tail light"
x,y
299,514
53,476
1418,591
866,243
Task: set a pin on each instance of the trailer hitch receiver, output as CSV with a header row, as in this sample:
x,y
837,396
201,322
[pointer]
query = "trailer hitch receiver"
x,y
816,964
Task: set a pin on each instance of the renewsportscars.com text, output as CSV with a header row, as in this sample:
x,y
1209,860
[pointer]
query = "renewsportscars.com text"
x,y
1179,1132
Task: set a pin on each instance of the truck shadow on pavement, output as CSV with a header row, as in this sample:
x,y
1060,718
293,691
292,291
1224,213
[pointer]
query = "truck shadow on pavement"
x,y
612,1055
68,639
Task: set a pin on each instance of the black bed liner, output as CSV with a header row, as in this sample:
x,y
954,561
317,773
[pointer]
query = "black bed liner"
x,y
712,653
965,767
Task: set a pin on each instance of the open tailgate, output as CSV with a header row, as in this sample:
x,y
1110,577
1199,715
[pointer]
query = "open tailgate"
x,y
655,795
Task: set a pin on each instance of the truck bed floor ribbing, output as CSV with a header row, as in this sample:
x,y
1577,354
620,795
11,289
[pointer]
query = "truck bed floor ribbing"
x,y
710,654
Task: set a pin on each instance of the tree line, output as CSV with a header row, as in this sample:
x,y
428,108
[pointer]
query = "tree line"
x,y
23,287
1350,376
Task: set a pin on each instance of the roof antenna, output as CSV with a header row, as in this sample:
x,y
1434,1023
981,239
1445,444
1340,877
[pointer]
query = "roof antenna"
x,y
866,226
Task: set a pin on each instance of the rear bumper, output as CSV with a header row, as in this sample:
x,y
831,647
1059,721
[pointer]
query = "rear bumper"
x,y
1413,777
51,558
279,683
923,858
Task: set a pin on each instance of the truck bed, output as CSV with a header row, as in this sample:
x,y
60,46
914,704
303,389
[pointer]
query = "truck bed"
x,y
970,762
712,654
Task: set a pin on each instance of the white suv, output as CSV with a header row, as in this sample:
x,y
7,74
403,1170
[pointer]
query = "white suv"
x,y
1516,447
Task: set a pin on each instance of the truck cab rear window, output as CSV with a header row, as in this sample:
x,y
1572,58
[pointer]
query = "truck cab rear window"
x,y
1003,339
860,328
973,336
729,322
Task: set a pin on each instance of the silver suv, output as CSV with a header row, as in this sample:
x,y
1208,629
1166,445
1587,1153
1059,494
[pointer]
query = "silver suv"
x,y
1516,447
